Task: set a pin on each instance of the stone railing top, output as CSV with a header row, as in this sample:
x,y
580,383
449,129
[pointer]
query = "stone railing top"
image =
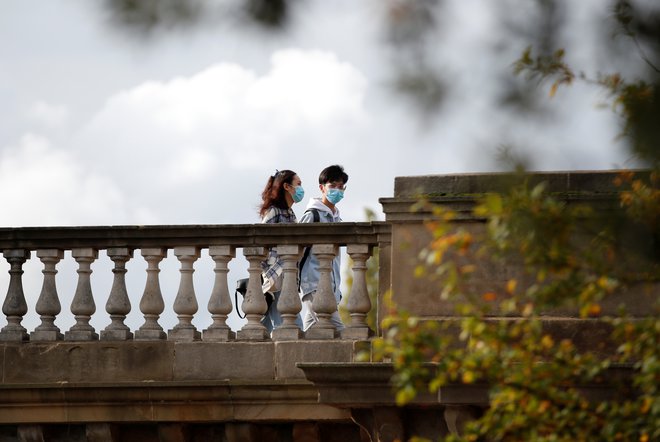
x,y
239,235
459,191
570,182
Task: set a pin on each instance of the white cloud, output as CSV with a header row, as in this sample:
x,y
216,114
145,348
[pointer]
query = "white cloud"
x,y
42,185
50,115
177,143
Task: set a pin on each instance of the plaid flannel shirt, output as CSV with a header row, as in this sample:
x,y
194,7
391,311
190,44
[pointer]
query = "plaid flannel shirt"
x,y
272,266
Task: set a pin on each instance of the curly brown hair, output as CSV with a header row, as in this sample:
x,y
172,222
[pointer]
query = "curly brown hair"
x,y
274,193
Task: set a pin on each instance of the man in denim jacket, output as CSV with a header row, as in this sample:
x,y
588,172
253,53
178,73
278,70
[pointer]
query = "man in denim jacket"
x,y
332,183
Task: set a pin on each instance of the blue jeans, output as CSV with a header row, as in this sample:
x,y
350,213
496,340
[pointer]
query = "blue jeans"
x,y
311,318
273,319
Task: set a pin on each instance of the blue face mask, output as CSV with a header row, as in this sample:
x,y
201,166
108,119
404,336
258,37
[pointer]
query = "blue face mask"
x,y
298,195
334,195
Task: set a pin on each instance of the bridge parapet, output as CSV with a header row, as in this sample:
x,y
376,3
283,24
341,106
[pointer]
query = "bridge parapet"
x,y
129,380
120,242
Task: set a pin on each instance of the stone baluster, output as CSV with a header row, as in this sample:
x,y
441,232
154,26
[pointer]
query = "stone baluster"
x,y
358,304
118,304
254,303
151,304
83,306
324,302
48,305
185,303
289,304
15,306
220,302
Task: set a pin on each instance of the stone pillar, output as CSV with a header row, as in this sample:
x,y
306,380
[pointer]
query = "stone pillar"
x,y
118,305
15,306
456,416
220,302
254,303
383,424
48,304
83,306
306,432
101,432
173,432
324,302
185,303
358,303
151,304
30,433
289,304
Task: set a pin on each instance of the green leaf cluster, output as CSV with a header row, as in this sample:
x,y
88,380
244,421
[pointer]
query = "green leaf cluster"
x,y
571,259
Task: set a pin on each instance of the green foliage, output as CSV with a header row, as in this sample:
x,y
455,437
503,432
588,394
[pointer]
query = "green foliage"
x,y
637,100
570,258
573,257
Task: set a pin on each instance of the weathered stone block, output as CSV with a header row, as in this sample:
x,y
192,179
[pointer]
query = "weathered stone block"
x,y
252,334
321,333
223,360
87,362
354,333
150,335
81,335
184,334
287,334
46,335
116,335
218,335
14,335
287,354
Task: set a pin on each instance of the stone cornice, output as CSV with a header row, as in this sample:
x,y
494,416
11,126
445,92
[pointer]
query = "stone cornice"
x,y
239,235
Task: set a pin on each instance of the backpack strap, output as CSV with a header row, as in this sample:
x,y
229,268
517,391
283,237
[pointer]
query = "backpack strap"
x,y
241,287
317,218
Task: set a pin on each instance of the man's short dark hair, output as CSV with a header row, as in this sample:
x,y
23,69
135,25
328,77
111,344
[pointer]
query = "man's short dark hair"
x,y
333,174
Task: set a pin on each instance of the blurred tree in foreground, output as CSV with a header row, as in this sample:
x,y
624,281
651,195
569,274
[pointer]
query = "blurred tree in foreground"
x,y
573,256
572,259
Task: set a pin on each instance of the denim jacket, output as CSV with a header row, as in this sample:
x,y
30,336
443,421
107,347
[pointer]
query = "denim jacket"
x,y
309,274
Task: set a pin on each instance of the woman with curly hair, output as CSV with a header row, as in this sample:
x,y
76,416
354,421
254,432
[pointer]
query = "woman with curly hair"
x,y
282,190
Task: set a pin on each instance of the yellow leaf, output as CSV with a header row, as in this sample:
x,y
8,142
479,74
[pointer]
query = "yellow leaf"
x,y
547,341
594,310
543,406
553,89
511,286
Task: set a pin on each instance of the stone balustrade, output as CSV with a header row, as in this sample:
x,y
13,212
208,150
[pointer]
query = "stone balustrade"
x,y
134,379
153,242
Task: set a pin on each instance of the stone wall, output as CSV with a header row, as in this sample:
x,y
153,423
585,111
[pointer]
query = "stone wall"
x,y
421,296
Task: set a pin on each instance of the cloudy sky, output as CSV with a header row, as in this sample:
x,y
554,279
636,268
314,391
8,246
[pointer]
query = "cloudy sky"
x,y
102,128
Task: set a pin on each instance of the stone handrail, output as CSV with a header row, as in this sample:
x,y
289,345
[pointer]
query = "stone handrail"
x,y
120,242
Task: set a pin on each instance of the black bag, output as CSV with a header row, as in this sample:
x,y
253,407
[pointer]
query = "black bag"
x,y
241,287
